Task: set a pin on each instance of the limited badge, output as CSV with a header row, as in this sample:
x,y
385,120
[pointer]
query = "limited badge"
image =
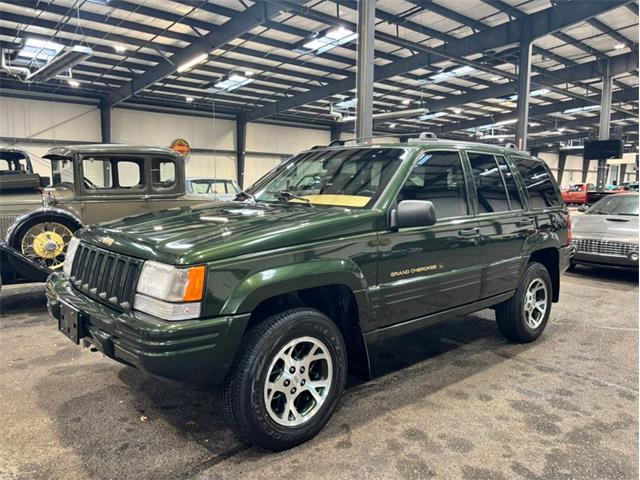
x,y
108,241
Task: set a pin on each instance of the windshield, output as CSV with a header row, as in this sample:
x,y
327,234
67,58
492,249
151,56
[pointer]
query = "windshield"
x,y
626,204
62,171
13,165
352,178
211,186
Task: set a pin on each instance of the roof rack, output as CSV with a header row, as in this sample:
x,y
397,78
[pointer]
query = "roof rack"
x,y
424,136
511,145
397,138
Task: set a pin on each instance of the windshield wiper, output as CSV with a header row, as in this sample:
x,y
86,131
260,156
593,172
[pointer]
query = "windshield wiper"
x,y
247,196
287,196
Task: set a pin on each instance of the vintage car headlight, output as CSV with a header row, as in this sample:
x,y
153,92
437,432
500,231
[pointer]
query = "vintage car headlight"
x,y
71,253
168,292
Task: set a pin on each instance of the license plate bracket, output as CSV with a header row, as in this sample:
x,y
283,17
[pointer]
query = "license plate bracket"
x,y
70,322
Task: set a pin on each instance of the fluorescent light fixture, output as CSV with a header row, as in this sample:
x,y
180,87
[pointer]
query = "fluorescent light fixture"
x,y
331,39
457,111
560,130
401,113
346,104
581,109
248,73
494,125
495,79
431,116
406,101
64,61
189,99
73,83
120,48
229,84
455,73
619,46
535,93
392,125
193,62
36,49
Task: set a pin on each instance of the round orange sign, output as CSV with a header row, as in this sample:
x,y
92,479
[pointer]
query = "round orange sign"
x,y
181,146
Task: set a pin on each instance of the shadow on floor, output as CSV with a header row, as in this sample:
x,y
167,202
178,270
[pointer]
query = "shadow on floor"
x,y
184,432
609,275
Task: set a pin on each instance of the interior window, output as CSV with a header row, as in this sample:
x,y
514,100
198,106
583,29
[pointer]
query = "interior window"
x,y
515,199
537,179
438,177
163,173
97,173
490,188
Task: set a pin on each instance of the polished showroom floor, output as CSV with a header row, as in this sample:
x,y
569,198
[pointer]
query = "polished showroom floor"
x,y
454,401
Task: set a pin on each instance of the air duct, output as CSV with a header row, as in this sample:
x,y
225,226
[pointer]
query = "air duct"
x,y
61,62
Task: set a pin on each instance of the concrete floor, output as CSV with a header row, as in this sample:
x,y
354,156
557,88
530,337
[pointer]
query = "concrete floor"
x,y
456,401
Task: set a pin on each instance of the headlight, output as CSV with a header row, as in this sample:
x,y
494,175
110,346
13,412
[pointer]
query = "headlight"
x,y
68,258
168,292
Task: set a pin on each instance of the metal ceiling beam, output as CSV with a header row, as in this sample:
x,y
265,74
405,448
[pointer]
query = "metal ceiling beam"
x,y
241,23
628,130
620,96
540,23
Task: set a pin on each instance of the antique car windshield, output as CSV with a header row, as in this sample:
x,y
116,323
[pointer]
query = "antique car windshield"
x,y
625,204
61,171
352,178
212,186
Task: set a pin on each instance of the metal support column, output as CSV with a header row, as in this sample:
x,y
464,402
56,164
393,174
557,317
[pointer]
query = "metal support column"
x,y
622,173
105,120
605,124
241,142
364,75
585,169
336,130
524,85
562,161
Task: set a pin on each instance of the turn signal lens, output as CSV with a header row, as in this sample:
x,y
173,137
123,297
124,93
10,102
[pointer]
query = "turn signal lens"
x,y
195,284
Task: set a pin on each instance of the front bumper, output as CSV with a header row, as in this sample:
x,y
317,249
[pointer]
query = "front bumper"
x,y
605,251
596,259
192,351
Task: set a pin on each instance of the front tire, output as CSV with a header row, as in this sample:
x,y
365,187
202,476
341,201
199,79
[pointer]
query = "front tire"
x,y
524,316
286,380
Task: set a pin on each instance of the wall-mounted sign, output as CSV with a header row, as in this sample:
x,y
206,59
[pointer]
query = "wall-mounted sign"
x,y
181,146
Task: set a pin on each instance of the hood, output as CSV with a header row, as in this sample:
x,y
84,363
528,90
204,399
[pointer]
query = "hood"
x,y
215,231
618,227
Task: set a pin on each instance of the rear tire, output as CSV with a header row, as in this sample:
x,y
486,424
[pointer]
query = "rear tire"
x,y
286,380
524,316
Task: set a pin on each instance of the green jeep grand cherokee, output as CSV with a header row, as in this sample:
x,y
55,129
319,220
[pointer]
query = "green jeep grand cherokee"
x,y
278,296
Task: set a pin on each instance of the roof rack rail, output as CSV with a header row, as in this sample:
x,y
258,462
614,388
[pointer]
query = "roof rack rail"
x,y
423,136
511,145
336,143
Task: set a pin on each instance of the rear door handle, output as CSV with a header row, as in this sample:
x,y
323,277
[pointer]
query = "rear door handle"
x,y
524,223
472,232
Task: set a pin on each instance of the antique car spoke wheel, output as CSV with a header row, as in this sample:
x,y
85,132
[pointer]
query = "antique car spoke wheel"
x,y
46,243
298,381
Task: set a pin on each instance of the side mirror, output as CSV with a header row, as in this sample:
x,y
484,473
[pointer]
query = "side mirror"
x,y
415,213
583,208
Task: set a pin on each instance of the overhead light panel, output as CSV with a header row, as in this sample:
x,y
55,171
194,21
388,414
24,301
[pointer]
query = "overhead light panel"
x,y
346,104
120,48
535,93
588,108
36,49
431,116
619,46
326,41
455,73
73,83
230,83
192,63
64,61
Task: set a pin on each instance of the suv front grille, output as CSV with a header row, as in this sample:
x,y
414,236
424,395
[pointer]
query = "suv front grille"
x,y
106,276
605,247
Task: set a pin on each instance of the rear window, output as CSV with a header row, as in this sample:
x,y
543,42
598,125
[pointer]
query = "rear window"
x,y
538,182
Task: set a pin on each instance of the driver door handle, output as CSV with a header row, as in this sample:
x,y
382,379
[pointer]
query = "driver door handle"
x,y
472,232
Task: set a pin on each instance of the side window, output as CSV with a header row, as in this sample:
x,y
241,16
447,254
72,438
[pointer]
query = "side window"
x,y
129,174
515,199
439,178
490,188
112,173
163,173
538,182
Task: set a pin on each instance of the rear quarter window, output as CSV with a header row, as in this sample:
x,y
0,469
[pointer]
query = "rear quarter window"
x,y
540,185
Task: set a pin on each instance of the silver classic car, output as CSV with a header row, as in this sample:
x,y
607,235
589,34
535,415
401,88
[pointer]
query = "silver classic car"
x,y
216,189
607,234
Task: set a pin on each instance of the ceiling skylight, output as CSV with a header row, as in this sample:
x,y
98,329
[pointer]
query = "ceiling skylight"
x,y
36,49
327,40
231,83
455,73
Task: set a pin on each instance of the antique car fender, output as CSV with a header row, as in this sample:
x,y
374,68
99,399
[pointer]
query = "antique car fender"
x,y
39,212
30,270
